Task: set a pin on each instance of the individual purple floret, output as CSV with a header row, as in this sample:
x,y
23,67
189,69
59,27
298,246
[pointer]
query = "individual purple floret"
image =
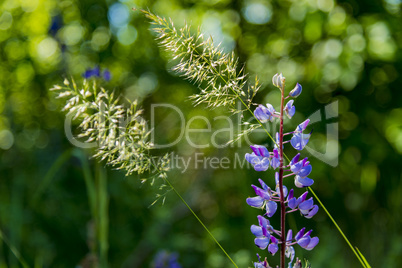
x,y
289,109
164,259
259,158
262,232
299,140
306,207
304,239
265,113
296,91
263,199
301,169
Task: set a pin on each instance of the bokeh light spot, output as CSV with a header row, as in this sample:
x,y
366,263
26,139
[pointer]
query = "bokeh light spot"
x,y
6,139
6,20
127,35
46,48
118,15
72,34
257,13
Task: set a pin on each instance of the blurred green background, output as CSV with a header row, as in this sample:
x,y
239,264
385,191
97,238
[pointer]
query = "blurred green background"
x,y
345,51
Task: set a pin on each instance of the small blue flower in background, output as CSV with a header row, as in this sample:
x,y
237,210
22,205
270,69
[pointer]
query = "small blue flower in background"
x,y
96,72
296,91
55,25
289,109
164,259
259,158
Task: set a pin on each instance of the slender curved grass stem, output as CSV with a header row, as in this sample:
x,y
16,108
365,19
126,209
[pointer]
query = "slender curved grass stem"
x,y
200,221
15,251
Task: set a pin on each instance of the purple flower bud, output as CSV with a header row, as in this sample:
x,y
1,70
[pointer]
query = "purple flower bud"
x,y
289,109
296,91
300,233
295,159
290,196
302,197
264,186
289,236
292,203
278,80
262,221
262,193
260,150
302,126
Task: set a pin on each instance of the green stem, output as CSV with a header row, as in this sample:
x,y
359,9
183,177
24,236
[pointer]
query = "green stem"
x,y
199,220
337,226
14,250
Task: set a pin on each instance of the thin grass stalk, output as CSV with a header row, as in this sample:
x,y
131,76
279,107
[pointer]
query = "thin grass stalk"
x,y
13,250
103,217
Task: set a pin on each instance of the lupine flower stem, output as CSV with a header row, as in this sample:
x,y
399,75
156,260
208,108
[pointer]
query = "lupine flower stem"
x,y
282,200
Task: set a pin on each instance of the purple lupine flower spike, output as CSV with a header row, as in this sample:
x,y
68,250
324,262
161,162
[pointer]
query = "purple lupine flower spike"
x,y
96,72
261,159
